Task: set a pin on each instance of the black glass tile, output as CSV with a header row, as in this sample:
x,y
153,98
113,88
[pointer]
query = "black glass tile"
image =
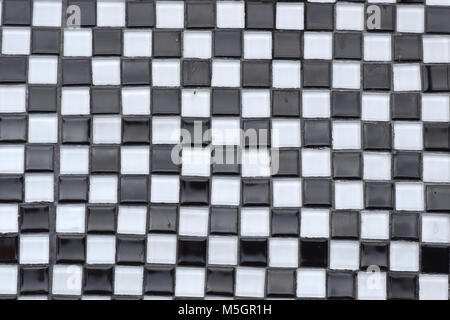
x,y
226,101
377,76
73,188
34,218
436,136
435,259
257,132
166,43
259,15
88,9
288,163
377,136
11,188
341,285
200,14
39,158
140,14
256,73
346,104
435,78
226,160
163,218
314,253
98,280
9,245
161,160
220,281
347,165
223,220
76,71
196,73
13,69
285,103
227,43
287,44
13,129
105,159
191,252
159,280
42,99
135,72
407,165
407,48
285,222
255,192
133,189
45,41
191,125
16,12
436,20
34,280
76,130
281,283
135,130
374,254
101,219
347,45
345,224
317,192
316,74
195,191
105,100
107,42
319,16
317,133
404,226
387,18
130,250
166,101
405,106
253,252
70,249
378,195
402,286
438,198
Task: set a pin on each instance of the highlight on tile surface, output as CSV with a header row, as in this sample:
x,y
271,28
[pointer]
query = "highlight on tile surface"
x,y
224,149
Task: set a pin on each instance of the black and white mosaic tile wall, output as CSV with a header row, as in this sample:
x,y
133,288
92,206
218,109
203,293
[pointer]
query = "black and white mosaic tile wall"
x,y
344,193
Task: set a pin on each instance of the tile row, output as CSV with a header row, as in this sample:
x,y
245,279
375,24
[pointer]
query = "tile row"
x,y
197,161
402,196
203,44
224,221
248,103
226,131
224,73
230,14
102,282
405,256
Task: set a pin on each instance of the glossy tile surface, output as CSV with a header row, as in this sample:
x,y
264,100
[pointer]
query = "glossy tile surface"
x,y
124,173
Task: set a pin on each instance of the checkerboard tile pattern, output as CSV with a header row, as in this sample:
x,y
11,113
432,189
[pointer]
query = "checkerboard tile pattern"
x,y
92,205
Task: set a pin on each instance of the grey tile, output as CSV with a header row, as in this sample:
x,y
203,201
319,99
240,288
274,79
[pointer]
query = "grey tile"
x,y
13,129
140,14
13,69
437,198
42,98
39,158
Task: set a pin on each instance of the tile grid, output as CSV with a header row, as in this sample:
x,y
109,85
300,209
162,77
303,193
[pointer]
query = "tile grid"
x,y
314,256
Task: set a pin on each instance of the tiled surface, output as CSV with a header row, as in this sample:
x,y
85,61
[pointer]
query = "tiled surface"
x,y
93,207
